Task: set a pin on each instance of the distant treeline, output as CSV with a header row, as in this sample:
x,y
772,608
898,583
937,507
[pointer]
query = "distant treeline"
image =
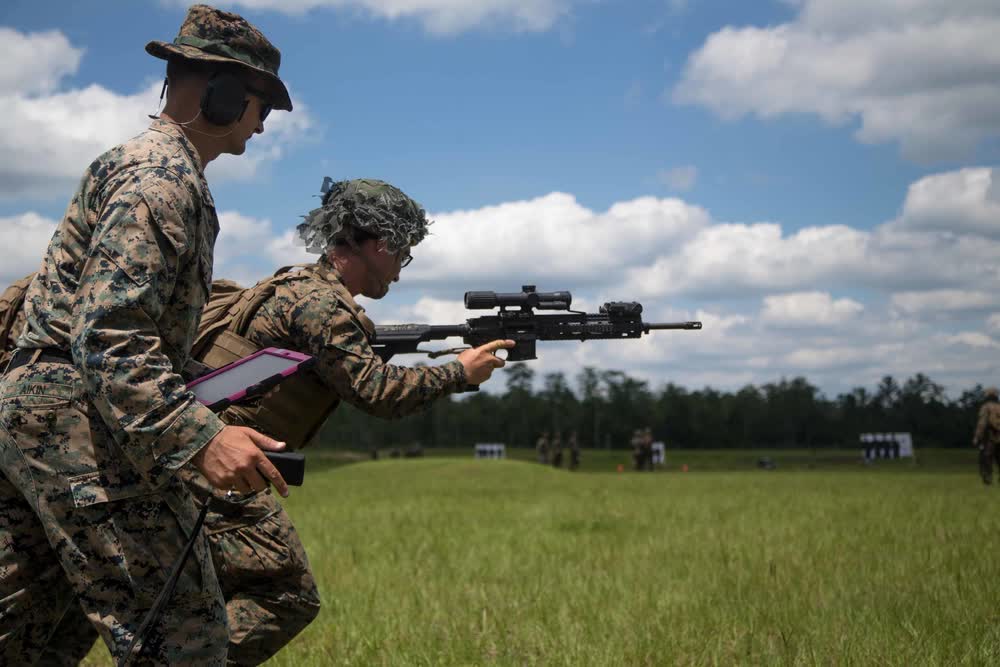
x,y
604,407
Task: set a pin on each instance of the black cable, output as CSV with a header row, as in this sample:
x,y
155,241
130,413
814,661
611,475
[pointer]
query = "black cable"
x,y
166,593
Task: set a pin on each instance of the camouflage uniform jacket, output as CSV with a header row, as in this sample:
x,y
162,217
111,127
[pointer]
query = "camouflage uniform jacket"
x,y
317,315
121,288
988,426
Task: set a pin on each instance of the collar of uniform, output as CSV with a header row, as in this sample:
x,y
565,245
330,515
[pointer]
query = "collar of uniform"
x,y
174,131
329,273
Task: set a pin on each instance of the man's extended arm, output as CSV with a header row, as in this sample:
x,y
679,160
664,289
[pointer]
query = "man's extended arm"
x,y
321,326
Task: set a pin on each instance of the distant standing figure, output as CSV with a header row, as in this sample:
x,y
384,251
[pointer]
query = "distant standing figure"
x,y
636,443
574,451
542,448
646,449
987,437
556,448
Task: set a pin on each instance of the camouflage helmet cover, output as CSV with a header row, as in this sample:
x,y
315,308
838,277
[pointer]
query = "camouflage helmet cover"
x,y
991,392
366,204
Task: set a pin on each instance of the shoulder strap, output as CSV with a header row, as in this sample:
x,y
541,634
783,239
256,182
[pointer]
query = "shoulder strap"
x,y
231,307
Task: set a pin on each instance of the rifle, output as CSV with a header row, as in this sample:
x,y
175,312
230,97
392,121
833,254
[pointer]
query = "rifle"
x,y
615,319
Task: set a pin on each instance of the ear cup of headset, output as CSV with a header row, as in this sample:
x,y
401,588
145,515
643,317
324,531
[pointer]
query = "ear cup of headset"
x,y
224,99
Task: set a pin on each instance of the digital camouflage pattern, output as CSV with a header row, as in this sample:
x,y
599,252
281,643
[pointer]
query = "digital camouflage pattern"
x,y
128,270
319,317
263,571
370,205
212,35
89,450
270,591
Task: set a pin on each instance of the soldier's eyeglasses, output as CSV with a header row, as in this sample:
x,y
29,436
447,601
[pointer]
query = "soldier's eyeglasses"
x,y
406,259
265,107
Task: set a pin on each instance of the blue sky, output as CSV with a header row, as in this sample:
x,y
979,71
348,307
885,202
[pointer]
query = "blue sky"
x,y
813,178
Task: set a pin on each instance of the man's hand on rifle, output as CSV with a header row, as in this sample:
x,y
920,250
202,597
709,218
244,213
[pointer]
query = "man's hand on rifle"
x,y
233,461
479,362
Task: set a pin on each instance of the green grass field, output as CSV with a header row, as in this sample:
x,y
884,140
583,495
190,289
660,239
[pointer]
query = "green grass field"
x,y
450,561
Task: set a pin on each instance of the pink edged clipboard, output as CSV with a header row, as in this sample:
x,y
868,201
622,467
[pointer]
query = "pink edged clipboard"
x,y
248,377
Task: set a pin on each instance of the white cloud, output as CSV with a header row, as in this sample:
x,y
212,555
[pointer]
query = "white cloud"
x,y
808,309
918,72
286,249
35,62
731,258
963,201
24,238
551,239
49,135
944,301
437,16
680,179
973,339
49,140
427,310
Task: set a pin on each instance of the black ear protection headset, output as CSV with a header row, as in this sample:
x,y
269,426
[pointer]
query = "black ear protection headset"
x,y
225,99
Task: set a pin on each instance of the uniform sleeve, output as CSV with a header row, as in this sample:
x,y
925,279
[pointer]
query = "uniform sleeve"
x,y
129,279
319,325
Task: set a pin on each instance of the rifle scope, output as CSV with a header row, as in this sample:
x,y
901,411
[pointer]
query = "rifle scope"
x,y
526,298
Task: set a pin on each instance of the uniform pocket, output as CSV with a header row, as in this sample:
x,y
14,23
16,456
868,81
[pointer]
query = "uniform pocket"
x,y
257,543
71,456
98,487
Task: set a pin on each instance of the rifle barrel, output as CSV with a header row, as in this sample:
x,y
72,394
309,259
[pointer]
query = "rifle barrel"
x,y
691,326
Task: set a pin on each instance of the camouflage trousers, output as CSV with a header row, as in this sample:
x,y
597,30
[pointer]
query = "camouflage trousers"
x,y
82,532
988,454
268,585
262,568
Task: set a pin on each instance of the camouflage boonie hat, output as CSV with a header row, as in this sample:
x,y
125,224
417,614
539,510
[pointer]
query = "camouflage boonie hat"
x,y
991,392
366,204
212,35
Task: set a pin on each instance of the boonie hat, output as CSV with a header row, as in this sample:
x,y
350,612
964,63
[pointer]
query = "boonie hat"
x,y
212,35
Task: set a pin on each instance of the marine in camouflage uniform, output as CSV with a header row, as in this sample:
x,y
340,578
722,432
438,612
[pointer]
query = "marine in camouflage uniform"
x,y
574,451
556,450
987,435
542,448
636,444
95,419
270,591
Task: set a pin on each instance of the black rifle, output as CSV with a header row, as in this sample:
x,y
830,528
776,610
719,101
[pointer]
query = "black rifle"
x,y
615,319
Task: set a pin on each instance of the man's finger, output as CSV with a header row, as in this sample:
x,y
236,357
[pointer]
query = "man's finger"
x,y
264,442
271,474
254,482
241,485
